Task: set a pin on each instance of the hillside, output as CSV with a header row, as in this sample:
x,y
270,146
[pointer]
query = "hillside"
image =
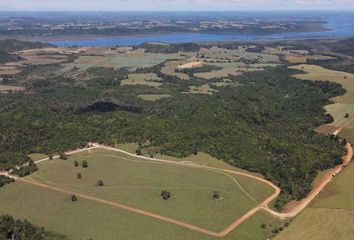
x,y
8,57
12,45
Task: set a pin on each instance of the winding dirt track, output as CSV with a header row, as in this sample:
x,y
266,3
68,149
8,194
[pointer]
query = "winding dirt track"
x,y
262,206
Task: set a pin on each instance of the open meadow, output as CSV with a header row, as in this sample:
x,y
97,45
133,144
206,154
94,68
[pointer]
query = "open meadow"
x,y
136,183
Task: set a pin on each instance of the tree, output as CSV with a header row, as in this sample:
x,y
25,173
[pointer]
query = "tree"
x,y
216,195
263,226
63,156
100,183
50,157
84,164
76,163
165,194
79,176
346,115
73,198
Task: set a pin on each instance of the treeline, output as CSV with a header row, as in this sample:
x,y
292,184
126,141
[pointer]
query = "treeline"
x,y
170,48
23,230
201,69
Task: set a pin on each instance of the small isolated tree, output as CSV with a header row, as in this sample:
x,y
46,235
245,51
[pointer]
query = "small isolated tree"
x,y
346,115
165,194
216,195
63,156
79,175
263,226
100,183
73,198
76,163
84,164
50,157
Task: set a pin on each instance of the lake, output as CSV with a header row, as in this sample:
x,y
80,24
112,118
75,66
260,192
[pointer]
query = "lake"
x,y
340,24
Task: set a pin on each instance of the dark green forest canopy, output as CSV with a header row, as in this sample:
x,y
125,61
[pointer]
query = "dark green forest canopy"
x,y
264,125
23,230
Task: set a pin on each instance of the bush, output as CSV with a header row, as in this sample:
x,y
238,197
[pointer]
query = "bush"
x,y
84,164
79,176
216,195
73,198
76,163
100,183
63,156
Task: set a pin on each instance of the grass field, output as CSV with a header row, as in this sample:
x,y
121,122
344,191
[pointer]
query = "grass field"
x,y
148,79
85,219
343,104
7,88
153,97
330,216
136,183
170,68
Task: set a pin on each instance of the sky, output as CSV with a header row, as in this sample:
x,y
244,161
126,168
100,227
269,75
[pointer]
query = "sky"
x,y
173,5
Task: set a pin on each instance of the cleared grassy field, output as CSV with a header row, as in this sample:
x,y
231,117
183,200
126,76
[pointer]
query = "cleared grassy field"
x,y
84,219
37,156
170,68
132,61
7,88
203,89
330,216
148,79
153,97
131,181
136,183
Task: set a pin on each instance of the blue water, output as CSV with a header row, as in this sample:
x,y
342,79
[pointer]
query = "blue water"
x,y
340,24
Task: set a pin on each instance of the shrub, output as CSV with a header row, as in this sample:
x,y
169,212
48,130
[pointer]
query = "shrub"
x,y
63,156
100,183
84,164
73,198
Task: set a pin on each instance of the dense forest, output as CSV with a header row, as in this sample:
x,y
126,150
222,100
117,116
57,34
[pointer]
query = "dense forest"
x,y
23,230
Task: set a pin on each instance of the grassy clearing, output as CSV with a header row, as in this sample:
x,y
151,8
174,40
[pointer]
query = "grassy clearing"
x,y
8,88
131,181
219,73
9,70
170,68
85,219
37,156
132,61
297,58
330,216
343,104
149,79
320,224
203,89
153,97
